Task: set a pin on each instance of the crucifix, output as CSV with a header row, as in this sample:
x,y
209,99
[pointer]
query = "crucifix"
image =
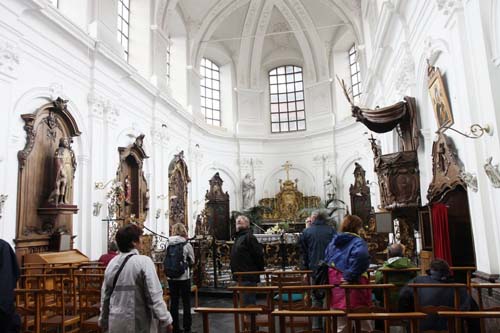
x,y
287,167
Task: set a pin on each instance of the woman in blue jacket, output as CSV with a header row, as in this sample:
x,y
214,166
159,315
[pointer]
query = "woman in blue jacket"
x,y
348,260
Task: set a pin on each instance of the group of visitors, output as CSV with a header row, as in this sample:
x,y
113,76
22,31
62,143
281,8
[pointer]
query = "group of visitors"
x,y
348,259
132,296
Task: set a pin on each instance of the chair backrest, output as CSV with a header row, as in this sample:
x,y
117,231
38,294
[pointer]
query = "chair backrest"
x,y
399,278
89,294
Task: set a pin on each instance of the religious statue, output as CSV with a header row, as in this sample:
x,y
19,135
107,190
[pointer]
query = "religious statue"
x,y
330,185
64,167
146,200
492,172
128,191
248,189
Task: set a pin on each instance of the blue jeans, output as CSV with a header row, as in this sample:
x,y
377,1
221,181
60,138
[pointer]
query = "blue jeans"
x,y
249,298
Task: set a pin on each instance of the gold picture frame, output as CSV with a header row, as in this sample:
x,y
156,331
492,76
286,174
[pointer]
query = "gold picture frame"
x,y
439,98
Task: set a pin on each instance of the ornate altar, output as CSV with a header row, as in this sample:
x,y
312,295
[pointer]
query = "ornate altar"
x,y
178,179
217,209
134,204
46,174
361,204
288,203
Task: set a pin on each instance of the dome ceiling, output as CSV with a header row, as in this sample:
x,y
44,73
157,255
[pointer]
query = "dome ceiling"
x,y
256,34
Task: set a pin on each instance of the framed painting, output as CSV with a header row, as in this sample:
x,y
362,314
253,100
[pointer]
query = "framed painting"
x,y
425,226
439,98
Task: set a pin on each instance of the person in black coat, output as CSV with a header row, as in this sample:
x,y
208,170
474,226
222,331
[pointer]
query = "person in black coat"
x,y
247,255
439,272
9,273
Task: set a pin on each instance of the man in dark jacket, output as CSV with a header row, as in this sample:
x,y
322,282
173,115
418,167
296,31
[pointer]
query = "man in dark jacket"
x,y
439,273
313,242
9,273
247,255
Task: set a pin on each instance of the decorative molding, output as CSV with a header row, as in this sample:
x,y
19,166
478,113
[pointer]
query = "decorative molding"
x,y
492,172
9,58
3,198
55,90
448,7
96,105
470,179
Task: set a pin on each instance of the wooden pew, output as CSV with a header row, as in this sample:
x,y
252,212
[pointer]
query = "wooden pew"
x,y
262,320
331,315
252,312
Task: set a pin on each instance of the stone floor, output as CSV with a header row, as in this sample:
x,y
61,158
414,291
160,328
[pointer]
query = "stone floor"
x,y
218,322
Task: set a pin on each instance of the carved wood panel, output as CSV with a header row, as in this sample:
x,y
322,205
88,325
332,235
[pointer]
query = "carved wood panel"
x,y
135,203
44,128
217,209
360,195
178,179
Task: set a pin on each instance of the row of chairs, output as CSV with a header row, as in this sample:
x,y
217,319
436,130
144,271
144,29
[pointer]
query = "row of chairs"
x,y
65,297
294,309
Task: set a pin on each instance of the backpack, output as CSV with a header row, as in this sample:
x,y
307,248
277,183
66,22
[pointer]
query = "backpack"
x,y
174,263
320,277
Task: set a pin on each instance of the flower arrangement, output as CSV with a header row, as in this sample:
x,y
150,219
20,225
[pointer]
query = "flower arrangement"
x,y
278,228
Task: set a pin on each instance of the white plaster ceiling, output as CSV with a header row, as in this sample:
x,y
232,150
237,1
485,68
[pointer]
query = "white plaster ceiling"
x,y
253,32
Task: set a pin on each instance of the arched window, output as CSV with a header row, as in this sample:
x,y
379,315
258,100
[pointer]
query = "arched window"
x,y
355,73
210,92
287,99
123,25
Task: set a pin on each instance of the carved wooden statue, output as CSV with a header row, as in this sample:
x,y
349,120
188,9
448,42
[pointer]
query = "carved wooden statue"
x,y
64,173
360,195
178,178
217,209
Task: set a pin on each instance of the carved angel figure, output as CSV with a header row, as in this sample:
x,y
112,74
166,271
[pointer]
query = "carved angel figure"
x,y
248,190
492,172
330,184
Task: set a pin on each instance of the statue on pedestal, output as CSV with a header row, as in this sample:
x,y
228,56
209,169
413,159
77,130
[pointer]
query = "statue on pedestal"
x,y
248,190
128,191
64,173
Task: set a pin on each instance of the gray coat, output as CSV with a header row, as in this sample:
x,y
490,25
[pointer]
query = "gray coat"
x,y
136,305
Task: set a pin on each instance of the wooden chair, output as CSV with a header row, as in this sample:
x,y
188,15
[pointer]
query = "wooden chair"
x,y
479,288
290,307
467,270
252,312
54,312
293,301
453,325
372,310
89,297
331,315
396,277
412,317
28,302
264,319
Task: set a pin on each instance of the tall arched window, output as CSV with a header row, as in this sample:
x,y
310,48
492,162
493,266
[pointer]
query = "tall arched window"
x,y
355,73
287,99
210,91
123,25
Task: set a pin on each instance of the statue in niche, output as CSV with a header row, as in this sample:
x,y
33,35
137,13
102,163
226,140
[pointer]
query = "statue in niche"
x,y
248,189
127,187
64,166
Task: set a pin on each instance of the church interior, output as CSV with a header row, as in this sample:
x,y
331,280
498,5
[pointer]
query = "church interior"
x,y
159,112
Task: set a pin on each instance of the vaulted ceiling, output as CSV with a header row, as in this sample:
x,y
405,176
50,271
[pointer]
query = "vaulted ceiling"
x,y
255,34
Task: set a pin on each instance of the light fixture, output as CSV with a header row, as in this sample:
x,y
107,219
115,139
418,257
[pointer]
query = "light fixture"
x,y
102,185
162,196
97,208
476,131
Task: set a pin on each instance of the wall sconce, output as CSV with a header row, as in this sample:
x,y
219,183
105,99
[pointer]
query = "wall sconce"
x,y
97,208
102,185
3,198
493,172
162,196
158,213
476,131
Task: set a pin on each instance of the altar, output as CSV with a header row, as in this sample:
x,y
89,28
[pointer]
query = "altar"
x,y
289,206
